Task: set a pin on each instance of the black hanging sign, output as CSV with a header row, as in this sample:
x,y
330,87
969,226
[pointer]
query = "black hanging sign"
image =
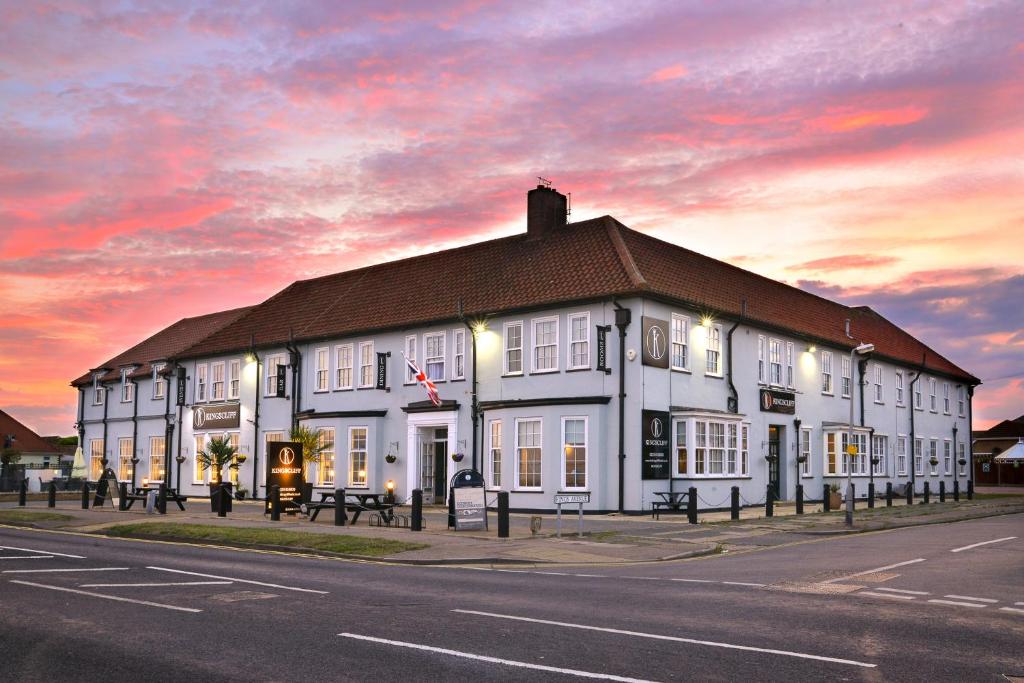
x,y
655,342
382,370
655,449
181,386
602,349
773,401
284,468
280,381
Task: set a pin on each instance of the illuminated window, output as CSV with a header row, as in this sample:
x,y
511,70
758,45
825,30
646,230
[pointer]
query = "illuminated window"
x,y
95,459
357,458
681,452
579,341
267,438
157,458
125,448
494,464
198,474
513,335
528,454
325,439
343,371
574,452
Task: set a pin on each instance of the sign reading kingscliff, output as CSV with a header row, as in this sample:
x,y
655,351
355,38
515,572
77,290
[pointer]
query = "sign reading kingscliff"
x,y
773,401
216,416
654,451
284,468
655,343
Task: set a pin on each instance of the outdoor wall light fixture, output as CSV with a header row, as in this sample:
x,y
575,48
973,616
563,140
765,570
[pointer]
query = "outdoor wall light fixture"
x,y
812,349
706,320
389,486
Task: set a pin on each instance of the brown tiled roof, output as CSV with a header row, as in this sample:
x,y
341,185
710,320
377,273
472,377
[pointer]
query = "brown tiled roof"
x,y
26,440
589,260
1006,428
165,344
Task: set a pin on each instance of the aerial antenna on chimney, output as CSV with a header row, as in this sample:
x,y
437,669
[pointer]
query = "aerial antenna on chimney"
x,y
544,181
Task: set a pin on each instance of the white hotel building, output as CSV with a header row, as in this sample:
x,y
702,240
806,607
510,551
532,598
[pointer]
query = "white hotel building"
x,y
573,357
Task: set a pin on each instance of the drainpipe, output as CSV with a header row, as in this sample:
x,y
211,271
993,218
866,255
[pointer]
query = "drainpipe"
x,y
871,455
256,423
180,379
623,317
168,428
106,402
135,430
733,402
970,432
475,413
862,366
956,455
913,433
295,360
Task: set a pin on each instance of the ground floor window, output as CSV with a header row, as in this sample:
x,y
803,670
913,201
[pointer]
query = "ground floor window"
x,y
268,437
157,458
528,453
919,456
574,449
879,446
235,439
199,474
933,456
805,452
836,459
494,461
961,454
125,451
325,438
357,457
947,456
901,456
682,456
719,447
95,459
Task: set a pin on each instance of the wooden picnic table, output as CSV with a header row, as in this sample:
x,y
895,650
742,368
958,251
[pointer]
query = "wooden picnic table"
x,y
671,501
355,502
141,492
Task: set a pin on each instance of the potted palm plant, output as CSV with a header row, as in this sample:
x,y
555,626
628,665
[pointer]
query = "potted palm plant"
x,y
218,453
313,447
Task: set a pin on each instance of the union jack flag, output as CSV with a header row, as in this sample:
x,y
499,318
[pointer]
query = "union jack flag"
x,y
422,378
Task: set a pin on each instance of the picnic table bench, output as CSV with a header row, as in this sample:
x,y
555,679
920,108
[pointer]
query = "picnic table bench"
x,y
140,493
355,502
671,501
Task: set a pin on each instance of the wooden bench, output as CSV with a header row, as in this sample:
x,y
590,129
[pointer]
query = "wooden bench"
x,y
672,501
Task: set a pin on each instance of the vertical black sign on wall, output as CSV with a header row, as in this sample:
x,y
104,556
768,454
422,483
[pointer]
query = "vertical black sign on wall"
x,y
382,370
602,349
280,382
655,342
284,468
654,453
180,386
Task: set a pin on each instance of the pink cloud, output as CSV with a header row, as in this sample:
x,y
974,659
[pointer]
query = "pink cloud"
x,y
668,73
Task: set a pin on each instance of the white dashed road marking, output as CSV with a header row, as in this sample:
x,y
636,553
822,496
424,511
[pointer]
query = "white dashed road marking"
x,y
900,590
47,552
231,578
108,597
27,557
45,571
956,603
887,595
975,545
968,597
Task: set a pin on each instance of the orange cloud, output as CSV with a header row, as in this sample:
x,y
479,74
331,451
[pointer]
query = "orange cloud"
x,y
845,121
668,73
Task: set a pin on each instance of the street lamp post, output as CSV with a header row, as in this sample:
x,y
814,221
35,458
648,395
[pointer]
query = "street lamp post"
x,y
851,450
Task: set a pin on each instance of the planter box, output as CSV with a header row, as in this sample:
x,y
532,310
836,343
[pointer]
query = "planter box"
x,y
213,496
835,500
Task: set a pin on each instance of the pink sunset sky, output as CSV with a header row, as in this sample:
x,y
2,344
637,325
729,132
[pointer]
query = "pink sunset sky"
x,y
168,159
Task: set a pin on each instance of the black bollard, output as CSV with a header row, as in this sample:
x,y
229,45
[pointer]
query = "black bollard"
x,y
340,518
122,498
769,501
275,503
417,510
910,493
826,498
85,495
451,508
161,499
502,514
222,500
888,494
927,492
970,489
51,495
942,492
956,490
853,489
691,505
22,492
734,504
871,494
799,499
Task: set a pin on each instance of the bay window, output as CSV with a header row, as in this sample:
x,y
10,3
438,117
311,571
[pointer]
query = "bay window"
x,y
719,447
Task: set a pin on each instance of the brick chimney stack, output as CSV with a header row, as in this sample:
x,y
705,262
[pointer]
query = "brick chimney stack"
x,y
546,210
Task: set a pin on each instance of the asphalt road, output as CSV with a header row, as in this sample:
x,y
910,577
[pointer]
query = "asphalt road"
x,y
848,608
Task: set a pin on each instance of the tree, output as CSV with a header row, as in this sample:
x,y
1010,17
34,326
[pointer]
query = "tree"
x,y
219,452
10,456
313,447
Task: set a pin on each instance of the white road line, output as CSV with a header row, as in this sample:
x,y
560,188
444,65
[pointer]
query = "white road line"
x,y
554,573
108,597
887,595
43,571
968,597
591,576
875,570
27,557
956,603
1019,603
642,578
231,578
676,639
694,580
494,660
900,590
1012,609
154,585
48,552
743,583
975,545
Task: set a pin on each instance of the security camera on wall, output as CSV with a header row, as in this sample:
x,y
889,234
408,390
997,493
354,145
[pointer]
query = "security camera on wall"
x,y
631,354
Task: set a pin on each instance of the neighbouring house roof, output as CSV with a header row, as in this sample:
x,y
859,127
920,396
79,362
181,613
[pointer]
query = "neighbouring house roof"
x,y
1007,429
163,345
26,440
593,259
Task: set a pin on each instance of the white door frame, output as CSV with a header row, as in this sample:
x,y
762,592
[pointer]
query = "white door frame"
x,y
414,421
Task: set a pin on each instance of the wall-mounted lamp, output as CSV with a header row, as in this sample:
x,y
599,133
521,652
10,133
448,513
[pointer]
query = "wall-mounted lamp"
x,y
706,320
812,349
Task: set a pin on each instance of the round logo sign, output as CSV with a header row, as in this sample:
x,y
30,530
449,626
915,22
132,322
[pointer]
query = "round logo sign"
x,y
766,400
286,456
200,418
655,343
657,429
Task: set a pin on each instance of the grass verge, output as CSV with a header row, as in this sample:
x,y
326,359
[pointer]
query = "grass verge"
x,y
279,538
16,516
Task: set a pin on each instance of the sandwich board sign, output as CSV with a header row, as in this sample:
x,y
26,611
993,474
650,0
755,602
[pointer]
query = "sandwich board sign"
x,y
107,488
284,468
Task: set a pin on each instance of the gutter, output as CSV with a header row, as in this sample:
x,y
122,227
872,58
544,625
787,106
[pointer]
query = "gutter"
x,y
623,316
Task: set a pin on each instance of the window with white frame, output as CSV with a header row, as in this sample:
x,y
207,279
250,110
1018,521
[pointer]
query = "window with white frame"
x,y
836,458
270,366
323,369
846,377
714,351
202,382
933,401
459,359
805,451
99,392
947,456
775,362
879,389
826,372
680,342
198,472
933,455
127,386
343,368
267,438
899,387
790,374
234,379
325,439
513,335
879,446
545,344
217,381
919,456
159,381
410,353
574,452
494,450
918,399
961,456
579,341
125,451
357,456
682,454
235,439
434,356
946,406
365,364
762,359
528,453
95,459
901,455
960,401
157,458
719,447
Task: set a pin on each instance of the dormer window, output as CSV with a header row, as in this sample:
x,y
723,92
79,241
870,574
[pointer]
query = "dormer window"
x,y
127,386
98,391
159,381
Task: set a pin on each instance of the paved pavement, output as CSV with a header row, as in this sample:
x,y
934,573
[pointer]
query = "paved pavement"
x,y
935,602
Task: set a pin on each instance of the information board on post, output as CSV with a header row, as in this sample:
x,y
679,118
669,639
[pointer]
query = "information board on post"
x,y
567,499
470,508
655,449
284,468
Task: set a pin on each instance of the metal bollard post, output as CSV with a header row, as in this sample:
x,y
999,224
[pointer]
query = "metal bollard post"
x,y
222,501
888,494
769,502
51,495
22,492
122,496
340,518
502,514
161,499
970,489
691,505
956,490
275,503
853,499
85,495
799,499
871,494
942,492
151,502
734,504
451,508
826,498
417,510
910,493
927,493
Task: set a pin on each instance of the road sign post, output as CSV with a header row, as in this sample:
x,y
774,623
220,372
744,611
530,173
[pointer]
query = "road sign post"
x,y
566,498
